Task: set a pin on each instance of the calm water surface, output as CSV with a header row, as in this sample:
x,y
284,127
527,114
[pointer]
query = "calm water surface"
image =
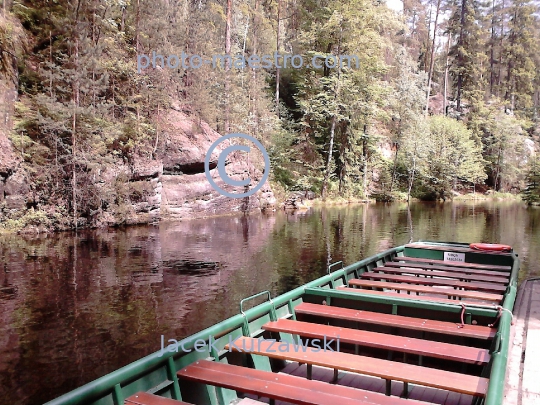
x,y
76,306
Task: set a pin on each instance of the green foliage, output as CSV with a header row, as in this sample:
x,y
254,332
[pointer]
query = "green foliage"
x,y
531,193
35,218
84,108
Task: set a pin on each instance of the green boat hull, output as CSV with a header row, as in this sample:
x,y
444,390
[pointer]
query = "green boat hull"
x,y
156,373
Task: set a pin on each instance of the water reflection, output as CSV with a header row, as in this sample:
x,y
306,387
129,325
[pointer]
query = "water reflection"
x,y
74,307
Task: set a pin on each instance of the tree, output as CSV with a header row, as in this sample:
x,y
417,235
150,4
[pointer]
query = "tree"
x,y
453,155
406,104
340,104
520,51
532,190
415,150
467,67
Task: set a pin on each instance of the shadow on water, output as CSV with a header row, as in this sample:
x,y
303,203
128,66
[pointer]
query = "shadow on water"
x,y
76,306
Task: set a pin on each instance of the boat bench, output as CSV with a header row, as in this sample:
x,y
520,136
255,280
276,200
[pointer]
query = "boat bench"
x,y
503,274
427,290
144,398
435,281
405,322
283,387
431,272
402,344
453,264
406,297
388,370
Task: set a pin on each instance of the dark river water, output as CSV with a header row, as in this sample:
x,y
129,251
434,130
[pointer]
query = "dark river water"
x,y
76,306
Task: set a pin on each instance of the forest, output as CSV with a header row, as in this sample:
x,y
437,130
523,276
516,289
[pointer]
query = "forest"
x,y
445,100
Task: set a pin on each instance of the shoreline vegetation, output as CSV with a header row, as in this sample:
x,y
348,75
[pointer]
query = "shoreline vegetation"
x,y
446,97
35,222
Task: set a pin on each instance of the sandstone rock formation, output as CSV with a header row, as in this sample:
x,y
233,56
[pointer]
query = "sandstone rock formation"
x,y
171,185
186,191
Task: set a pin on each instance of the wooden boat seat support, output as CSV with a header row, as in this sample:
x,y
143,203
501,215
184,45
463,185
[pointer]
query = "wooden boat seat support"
x,y
502,275
402,344
405,322
433,272
283,387
388,370
503,269
402,296
432,281
427,290
144,398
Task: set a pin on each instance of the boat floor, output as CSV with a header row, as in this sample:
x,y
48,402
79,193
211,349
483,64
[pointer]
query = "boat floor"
x,y
429,395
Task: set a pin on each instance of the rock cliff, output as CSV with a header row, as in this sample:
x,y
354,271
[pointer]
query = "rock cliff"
x,y
171,185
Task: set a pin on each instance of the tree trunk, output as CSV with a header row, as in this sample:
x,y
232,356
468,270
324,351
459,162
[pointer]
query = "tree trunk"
x,y
329,161
365,165
254,94
228,66
445,96
499,76
492,50
411,179
460,54
277,50
137,25
392,181
123,21
332,127
76,91
432,58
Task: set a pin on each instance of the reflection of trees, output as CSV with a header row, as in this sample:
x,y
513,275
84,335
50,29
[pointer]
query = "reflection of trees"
x,y
89,303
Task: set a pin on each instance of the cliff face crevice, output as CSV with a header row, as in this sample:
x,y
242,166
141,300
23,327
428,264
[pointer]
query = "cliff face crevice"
x,y
186,190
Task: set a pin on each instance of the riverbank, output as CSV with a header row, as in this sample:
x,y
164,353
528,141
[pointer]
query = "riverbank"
x,y
34,221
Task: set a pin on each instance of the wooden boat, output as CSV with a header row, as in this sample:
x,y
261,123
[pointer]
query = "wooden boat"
x,y
422,323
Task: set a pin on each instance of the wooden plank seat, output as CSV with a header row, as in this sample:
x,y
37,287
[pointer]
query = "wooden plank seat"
x,y
502,274
402,344
423,270
409,297
389,370
476,286
405,322
427,290
283,387
453,264
144,398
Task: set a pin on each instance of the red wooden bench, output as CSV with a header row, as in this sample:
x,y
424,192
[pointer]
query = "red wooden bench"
x,y
476,286
144,398
503,274
283,387
423,270
389,370
427,290
426,325
453,264
405,296
402,344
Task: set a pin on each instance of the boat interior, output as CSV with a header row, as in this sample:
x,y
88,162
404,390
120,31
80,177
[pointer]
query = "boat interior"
x,y
402,327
